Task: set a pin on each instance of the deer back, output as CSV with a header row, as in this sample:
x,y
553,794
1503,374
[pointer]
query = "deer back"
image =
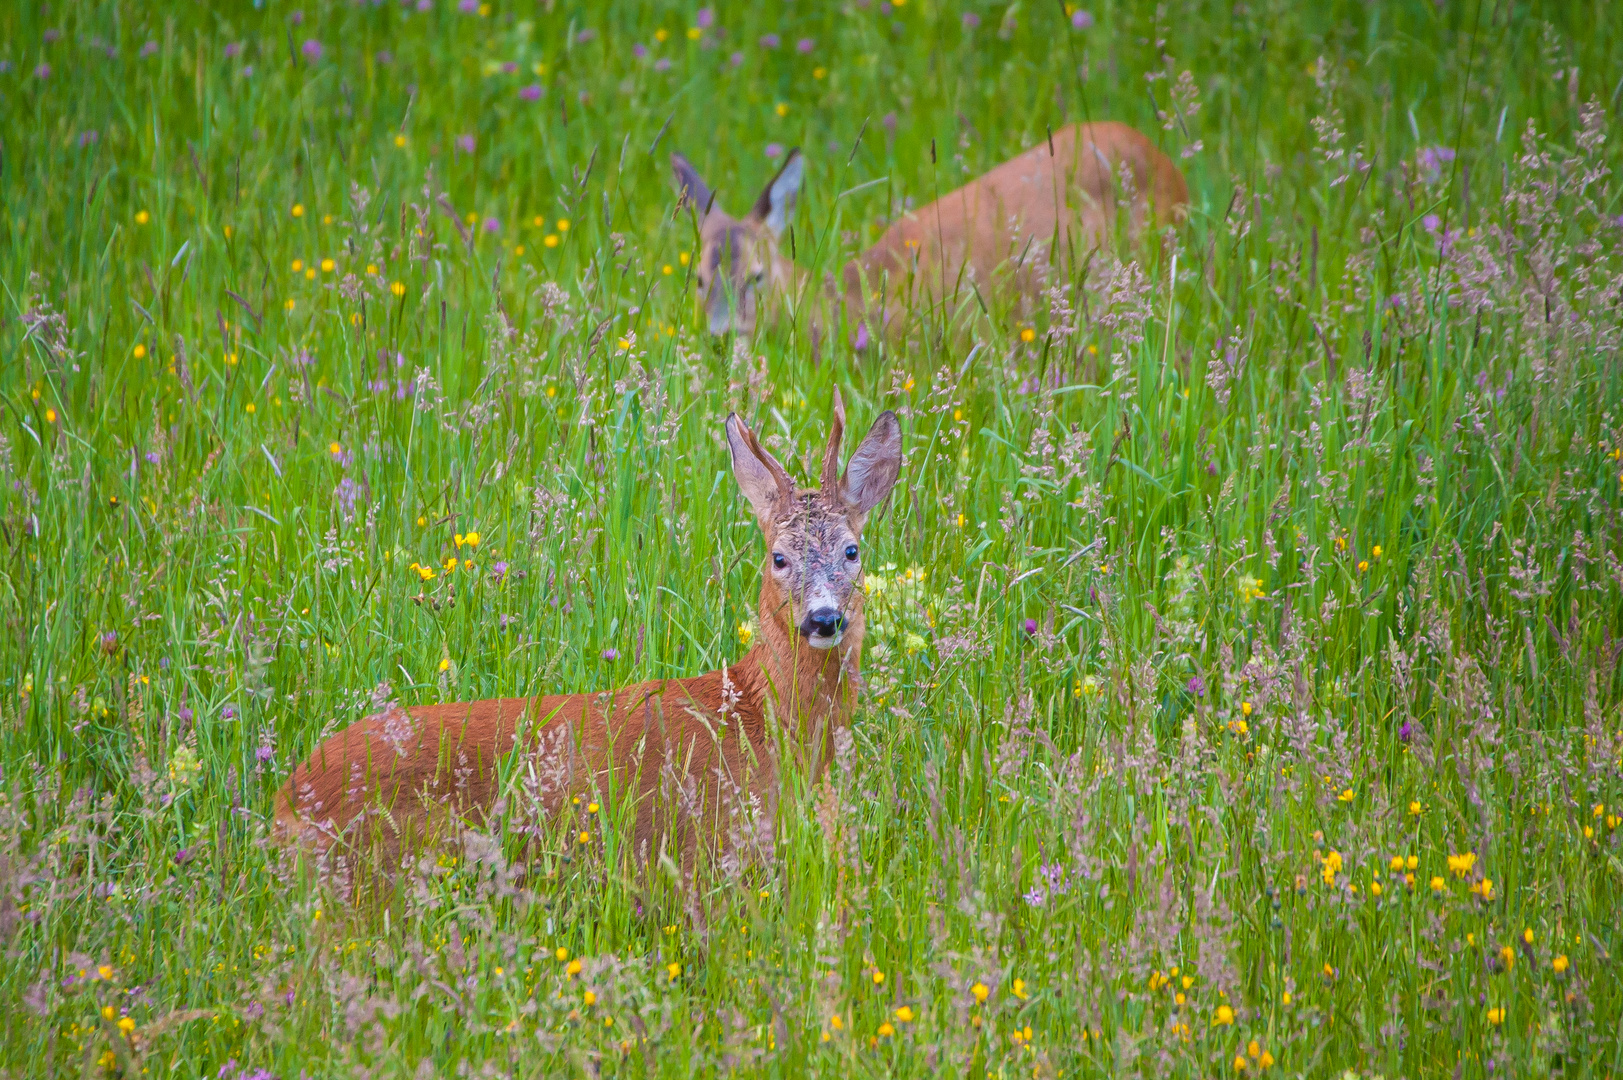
x,y
1057,201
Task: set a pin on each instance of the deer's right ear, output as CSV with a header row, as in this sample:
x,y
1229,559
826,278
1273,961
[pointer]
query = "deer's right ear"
x,y
692,188
759,476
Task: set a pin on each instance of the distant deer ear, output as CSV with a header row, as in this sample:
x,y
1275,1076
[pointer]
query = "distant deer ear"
x,y
873,469
831,456
759,476
778,198
691,186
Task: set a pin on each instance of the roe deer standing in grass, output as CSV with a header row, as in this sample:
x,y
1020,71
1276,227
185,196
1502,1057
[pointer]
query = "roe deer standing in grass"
x,y
689,751
1061,196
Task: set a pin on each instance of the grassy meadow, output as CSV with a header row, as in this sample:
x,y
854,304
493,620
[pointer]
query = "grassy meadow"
x,y
1242,683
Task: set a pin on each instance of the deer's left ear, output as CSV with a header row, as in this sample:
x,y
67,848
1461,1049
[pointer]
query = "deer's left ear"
x,y
778,199
873,469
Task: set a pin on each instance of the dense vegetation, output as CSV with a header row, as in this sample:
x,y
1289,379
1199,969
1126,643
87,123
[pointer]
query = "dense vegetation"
x,y
1242,682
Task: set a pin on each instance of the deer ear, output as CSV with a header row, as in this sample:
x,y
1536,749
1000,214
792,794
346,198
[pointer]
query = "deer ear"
x,y
759,476
831,456
778,198
873,469
690,186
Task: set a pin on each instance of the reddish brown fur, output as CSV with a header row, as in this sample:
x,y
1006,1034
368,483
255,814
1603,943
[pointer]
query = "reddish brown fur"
x,y
1061,192
687,750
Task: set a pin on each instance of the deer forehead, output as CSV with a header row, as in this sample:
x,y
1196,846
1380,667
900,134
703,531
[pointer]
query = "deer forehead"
x,y
736,239
816,530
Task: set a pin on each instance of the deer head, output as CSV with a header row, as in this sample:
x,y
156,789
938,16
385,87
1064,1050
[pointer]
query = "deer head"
x,y
738,257
813,573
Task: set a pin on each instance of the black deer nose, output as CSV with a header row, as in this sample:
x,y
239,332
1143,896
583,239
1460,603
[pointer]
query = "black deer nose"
x,y
824,622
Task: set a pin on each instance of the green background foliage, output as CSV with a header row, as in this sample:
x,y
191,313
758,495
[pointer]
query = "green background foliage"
x,y
1244,634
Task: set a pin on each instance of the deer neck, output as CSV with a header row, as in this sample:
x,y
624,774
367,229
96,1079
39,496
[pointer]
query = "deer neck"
x,y
807,690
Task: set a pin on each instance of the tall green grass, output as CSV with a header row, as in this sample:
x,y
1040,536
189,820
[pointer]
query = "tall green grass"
x,y
1274,558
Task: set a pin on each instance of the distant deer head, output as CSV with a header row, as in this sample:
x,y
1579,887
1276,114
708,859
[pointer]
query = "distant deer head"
x,y
739,264
810,584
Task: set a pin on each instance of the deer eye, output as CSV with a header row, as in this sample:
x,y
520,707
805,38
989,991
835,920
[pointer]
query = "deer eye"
x,y
779,561
851,552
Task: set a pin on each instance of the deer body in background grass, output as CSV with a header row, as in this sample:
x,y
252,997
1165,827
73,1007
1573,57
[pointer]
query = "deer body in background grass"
x,y
690,752
1061,197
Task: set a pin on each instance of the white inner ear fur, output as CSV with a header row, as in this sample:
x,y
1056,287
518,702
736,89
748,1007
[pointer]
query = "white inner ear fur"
x,y
784,191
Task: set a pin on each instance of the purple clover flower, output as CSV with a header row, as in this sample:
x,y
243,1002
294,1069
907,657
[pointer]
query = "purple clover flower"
x,y
468,7
531,92
228,713
52,35
265,753
611,654
311,49
465,143
859,340
509,67
1081,20
770,41
736,60
1030,627
805,45
774,150
971,20
662,64
705,18
149,49
347,494
639,50
43,71
233,49
585,35
493,225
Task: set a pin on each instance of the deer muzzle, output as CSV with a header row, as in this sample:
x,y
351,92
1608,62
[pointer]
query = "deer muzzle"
x,y
823,627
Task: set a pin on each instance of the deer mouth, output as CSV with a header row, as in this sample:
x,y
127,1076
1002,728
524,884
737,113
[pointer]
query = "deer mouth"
x,y
822,641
